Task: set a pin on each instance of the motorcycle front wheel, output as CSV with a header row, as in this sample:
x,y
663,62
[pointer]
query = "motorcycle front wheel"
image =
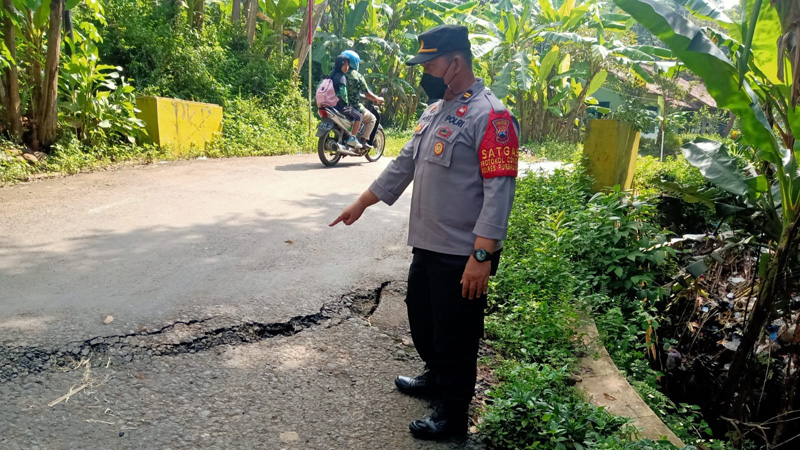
x,y
326,148
378,145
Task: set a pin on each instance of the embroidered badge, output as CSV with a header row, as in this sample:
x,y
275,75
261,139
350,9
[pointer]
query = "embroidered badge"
x,y
499,149
461,111
453,120
501,130
418,128
433,108
444,132
438,148
466,95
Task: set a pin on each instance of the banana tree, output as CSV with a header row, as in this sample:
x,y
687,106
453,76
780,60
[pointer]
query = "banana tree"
x,y
532,51
754,86
278,12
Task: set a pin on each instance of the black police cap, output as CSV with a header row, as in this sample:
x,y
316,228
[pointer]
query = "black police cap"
x,y
440,40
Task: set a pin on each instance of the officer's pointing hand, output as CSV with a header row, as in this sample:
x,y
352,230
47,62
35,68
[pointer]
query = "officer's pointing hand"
x,y
475,281
350,214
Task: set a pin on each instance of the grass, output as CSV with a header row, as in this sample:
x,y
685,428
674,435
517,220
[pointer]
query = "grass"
x,y
555,151
70,157
395,140
536,301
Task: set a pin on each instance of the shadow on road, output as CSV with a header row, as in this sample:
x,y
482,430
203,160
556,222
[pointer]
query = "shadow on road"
x,y
318,166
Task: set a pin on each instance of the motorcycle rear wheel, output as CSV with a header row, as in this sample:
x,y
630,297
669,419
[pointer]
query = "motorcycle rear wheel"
x,y
378,144
326,149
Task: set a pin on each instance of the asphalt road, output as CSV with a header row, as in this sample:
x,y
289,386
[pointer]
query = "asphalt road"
x,y
240,319
235,240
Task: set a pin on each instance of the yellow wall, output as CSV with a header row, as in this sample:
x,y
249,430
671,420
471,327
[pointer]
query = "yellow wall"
x,y
612,147
179,123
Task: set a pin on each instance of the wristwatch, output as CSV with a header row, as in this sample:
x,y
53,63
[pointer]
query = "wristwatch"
x,y
481,255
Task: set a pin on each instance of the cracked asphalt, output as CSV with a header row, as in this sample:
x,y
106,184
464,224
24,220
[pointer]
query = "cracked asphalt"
x,y
240,320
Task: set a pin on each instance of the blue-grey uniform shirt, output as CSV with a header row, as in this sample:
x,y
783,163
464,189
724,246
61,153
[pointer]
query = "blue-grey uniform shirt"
x,y
452,201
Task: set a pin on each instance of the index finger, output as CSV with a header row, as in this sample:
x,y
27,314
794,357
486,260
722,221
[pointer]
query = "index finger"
x,y
338,219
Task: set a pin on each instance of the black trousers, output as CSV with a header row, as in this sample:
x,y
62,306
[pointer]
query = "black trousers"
x,y
445,326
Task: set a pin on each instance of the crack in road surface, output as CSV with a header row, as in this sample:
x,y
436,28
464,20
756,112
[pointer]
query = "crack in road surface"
x,y
180,337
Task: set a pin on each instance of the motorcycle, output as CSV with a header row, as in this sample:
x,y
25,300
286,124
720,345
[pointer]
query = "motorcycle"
x,y
334,129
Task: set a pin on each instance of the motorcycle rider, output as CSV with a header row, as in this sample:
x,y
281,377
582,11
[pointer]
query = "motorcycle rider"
x,y
340,67
357,85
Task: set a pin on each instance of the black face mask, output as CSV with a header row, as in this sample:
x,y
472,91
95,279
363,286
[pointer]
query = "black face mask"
x,y
435,87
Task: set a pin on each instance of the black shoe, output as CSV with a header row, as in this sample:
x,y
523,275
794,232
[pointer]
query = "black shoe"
x,y
439,426
423,385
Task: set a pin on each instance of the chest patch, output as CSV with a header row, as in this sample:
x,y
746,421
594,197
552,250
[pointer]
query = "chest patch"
x,y
444,132
499,149
455,120
461,111
438,148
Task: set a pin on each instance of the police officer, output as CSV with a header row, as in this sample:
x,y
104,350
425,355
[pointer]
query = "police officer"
x,y
463,161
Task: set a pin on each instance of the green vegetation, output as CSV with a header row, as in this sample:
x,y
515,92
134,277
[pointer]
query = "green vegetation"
x,y
73,68
395,140
570,254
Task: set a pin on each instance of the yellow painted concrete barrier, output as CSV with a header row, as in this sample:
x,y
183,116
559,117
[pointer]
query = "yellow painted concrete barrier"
x,y
612,147
179,123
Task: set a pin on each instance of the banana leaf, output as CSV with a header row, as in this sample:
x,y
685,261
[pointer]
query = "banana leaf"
x,y
765,38
502,83
355,17
703,10
721,77
716,165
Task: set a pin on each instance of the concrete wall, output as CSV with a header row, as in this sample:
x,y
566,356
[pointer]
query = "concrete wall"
x,y
179,124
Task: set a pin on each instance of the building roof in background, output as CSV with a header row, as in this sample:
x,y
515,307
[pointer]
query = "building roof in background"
x,y
696,94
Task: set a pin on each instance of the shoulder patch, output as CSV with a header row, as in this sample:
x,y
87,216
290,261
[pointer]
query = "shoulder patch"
x,y
499,149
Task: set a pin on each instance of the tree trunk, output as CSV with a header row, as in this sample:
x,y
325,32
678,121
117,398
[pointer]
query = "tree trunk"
x,y
68,30
789,14
11,85
236,13
767,296
787,401
198,14
729,126
48,107
252,15
301,46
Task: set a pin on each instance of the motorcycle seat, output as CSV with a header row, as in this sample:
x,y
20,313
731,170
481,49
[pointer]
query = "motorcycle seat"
x,y
335,112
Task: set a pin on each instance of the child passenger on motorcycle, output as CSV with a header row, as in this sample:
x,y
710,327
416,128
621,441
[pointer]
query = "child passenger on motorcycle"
x,y
340,67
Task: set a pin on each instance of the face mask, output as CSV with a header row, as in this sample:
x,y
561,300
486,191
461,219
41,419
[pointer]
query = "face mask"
x,y
435,87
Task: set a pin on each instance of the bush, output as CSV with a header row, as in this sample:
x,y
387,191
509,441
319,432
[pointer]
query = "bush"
x,y
396,138
672,144
650,171
553,150
567,250
251,128
534,409
172,60
536,309
69,156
